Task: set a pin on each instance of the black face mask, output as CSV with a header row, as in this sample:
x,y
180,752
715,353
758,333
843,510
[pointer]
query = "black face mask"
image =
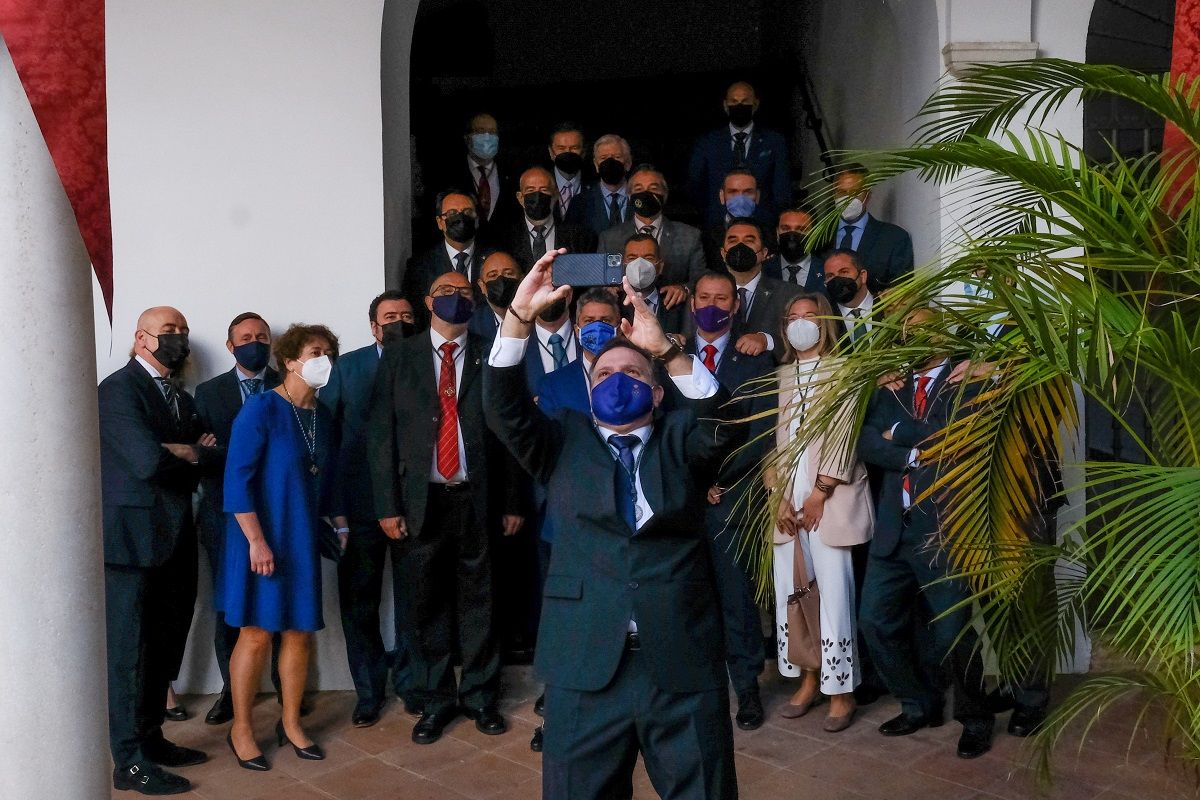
x,y
537,205
554,313
740,115
611,171
791,246
172,350
646,205
461,228
741,258
501,291
568,162
395,331
841,290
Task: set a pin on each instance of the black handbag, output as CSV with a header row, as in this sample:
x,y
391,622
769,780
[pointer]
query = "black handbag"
x,y
329,544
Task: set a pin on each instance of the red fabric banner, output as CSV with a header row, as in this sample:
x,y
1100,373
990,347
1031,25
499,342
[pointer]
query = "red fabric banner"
x,y
1185,60
57,47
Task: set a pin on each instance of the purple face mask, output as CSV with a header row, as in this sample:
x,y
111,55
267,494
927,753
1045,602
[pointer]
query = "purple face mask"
x,y
711,319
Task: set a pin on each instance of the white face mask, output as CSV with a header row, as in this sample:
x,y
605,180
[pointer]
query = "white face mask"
x,y
803,334
853,210
315,372
641,274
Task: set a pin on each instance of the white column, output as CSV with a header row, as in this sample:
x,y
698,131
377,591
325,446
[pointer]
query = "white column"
x,y
53,717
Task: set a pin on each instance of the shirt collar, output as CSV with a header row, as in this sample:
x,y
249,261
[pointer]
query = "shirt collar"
x,y
752,285
258,376
469,249
563,180
547,223
620,191
475,165
865,305
858,224
146,366
933,372
719,343
749,129
439,340
655,223
564,331
643,434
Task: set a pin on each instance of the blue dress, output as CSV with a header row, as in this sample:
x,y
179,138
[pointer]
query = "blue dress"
x,y
267,471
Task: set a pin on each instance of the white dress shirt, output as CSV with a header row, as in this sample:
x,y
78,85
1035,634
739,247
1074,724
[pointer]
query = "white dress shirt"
x,y
548,224
453,254
805,264
154,373
734,131
656,226
719,343
493,181
460,355
847,312
567,332
242,377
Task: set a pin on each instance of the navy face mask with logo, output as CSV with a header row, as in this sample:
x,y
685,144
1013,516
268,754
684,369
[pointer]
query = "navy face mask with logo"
x,y
620,399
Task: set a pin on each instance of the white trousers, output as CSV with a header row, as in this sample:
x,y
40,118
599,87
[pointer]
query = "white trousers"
x,y
834,571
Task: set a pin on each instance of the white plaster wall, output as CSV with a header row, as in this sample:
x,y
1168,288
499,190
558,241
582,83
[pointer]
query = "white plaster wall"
x,y
246,172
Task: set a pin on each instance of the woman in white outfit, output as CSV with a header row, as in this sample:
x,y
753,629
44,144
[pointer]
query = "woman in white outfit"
x,y
824,508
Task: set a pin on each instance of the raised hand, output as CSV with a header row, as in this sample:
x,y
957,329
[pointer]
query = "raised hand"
x,y
645,330
537,292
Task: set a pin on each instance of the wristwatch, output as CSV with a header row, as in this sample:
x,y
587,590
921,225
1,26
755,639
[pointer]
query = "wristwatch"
x,y
670,353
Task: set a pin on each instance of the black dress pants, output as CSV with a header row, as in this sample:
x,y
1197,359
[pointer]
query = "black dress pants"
x,y
897,587
144,614
743,629
447,591
360,590
592,740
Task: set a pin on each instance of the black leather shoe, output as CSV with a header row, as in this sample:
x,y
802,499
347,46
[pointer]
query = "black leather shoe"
x,y
167,754
750,714
539,705
257,764
149,779
904,724
976,740
432,724
311,753
487,720
535,744
221,711
365,715
177,714
1026,721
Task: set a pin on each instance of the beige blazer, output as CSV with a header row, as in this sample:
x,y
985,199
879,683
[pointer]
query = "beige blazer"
x,y
849,516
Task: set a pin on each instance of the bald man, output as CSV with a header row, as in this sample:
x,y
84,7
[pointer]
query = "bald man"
x,y
539,228
741,143
153,451
439,478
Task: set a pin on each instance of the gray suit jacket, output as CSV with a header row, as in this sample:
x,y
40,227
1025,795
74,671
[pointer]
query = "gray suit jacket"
x,y
680,244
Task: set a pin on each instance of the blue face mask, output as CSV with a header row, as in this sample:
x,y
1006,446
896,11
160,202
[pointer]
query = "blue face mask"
x,y
620,399
453,308
484,145
252,356
740,205
596,334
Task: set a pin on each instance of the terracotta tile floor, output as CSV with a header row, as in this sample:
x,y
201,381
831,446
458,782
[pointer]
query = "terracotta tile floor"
x,y
780,761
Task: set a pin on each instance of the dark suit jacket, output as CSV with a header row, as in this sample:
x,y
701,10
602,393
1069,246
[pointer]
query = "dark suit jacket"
x,y
483,323
218,401
680,246
402,434
887,252
712,159
714,238
601,573
576,238
814,283
348,398
423,268
887,408
771,299
146,492
455,175
588,209
565,388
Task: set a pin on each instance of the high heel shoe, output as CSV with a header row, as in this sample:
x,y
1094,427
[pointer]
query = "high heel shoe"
x,y
257,764
311,753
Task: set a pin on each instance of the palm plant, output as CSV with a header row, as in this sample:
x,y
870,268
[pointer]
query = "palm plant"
x,y
1089,288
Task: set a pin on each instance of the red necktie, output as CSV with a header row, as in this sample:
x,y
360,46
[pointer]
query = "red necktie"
x,y
920,400
484,192
710,357
447,443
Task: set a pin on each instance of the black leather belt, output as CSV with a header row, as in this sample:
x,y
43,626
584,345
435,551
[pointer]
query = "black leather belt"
x,y
633,641
460,486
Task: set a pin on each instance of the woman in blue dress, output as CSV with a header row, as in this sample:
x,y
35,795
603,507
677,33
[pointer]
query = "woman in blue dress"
x,y
278,491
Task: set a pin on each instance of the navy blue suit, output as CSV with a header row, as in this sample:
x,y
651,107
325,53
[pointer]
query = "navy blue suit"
x,y
712,159
727,523
149,551
589,210
360,572
815,281
903,571
886,250
219,400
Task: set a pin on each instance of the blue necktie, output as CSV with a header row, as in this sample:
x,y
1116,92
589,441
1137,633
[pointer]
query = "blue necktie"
x,y
847,242
624,479
251,386
557,351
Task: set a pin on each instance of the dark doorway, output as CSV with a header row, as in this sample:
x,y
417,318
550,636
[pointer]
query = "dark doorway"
x,y
653,72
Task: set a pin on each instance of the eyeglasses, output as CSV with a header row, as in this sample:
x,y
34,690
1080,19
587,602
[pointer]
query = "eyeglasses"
x,y
455,214
445,290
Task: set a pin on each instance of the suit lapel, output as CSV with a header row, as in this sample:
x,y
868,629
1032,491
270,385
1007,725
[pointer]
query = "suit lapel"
x,y
231,392
651,471
472,363
158,408
870,234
